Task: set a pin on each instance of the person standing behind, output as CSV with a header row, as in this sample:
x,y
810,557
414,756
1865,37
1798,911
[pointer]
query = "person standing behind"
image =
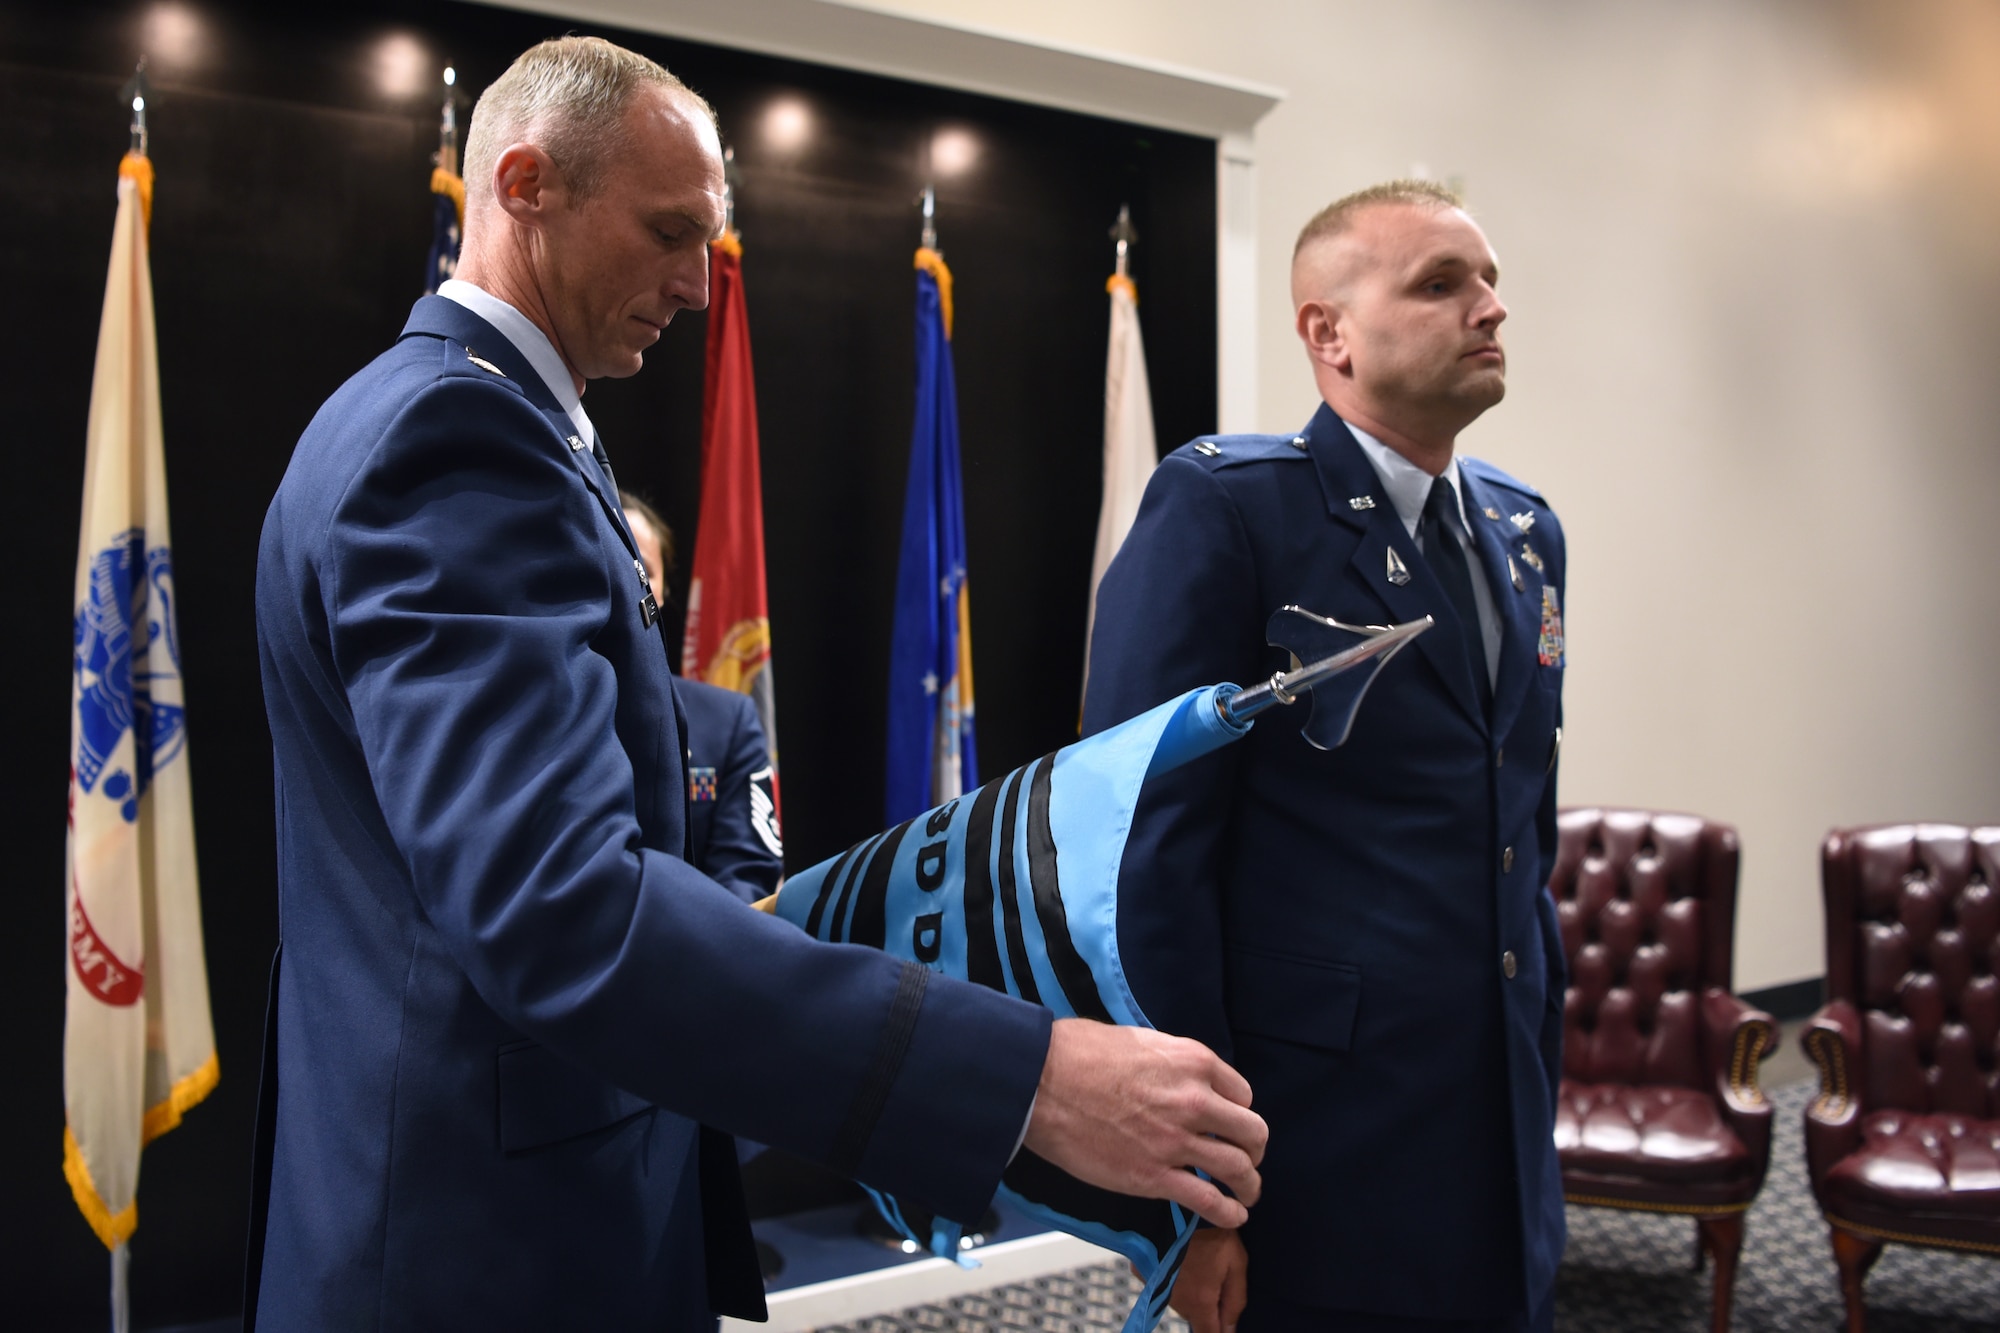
x,y
1363,931
513,1027
733,831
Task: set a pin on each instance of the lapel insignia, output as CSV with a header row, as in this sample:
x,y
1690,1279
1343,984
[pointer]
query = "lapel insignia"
x,y
1492,513
1399,573
1549,649
1362,502
576,444
1522,521
484,364
1208,449
1514,573
649,610
1529,554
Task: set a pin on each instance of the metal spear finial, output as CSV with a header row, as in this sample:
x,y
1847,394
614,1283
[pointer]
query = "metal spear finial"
x,y
1127,236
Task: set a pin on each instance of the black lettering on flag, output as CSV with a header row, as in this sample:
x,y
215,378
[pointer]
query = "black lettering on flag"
x,y
1037,1179
927,937
930,866
940,819
1010,902
870,925
867,849
982,948
1079,987
826,888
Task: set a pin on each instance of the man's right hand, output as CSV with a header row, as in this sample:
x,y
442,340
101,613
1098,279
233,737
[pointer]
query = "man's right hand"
x,y
1130,1109
1214,1281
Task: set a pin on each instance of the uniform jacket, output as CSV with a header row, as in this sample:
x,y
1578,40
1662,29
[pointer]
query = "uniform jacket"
x,y
733,834
1363,931
507,1002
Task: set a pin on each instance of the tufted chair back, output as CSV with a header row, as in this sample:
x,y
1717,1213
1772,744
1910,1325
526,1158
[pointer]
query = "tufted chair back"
x,y
1647,905
1913,943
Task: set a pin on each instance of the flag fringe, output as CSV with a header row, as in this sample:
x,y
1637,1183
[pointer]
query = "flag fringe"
x,y
186,1093
729,243
452,185
138,168
114,1229
931,262
1118,282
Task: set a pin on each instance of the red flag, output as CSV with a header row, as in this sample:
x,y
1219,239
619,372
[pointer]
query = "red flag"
x,y
728,637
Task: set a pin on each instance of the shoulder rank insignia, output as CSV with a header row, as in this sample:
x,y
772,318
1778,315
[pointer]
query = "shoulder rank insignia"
x,y
1208,449
1549,649
1299,443
1398,572
701,784
1534,559
1522,521
483,363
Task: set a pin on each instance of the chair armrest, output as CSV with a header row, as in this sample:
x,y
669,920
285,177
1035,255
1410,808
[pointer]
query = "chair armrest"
x,y
1833,1119
1738,1037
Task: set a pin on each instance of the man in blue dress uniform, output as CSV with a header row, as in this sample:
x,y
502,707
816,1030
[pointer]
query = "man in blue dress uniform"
x,y
733,831
509,1011
1363,931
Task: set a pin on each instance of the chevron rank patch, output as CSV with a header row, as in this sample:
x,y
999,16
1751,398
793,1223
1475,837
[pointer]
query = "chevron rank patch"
x,y
1550,648
701,781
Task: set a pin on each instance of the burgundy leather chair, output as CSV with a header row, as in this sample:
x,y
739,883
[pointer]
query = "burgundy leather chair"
x,y
1659,1108
1903,1141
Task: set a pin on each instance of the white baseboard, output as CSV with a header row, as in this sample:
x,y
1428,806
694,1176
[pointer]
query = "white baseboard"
x,y
887,1290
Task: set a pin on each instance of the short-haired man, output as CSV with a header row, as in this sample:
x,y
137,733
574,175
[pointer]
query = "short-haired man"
x,y
732,834
1363,931
507,1007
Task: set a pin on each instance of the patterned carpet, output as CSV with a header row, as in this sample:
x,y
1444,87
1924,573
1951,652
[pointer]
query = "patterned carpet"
x,y
1624,1273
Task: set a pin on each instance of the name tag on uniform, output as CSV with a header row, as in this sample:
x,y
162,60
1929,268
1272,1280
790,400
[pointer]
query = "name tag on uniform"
x,y
701,784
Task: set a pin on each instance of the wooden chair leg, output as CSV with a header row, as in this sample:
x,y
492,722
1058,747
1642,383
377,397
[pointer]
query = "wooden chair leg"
x,y
1855,1255
1700,1246
1723,1237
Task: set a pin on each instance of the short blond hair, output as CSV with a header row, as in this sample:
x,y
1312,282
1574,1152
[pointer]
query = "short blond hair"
x,y
1337,216
567,96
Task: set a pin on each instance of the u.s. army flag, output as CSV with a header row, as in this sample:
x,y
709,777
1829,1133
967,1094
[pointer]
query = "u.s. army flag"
x,y
138,1049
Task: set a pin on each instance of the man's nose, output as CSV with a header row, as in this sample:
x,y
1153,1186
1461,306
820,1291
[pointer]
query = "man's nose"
x,y
689,289
1491,311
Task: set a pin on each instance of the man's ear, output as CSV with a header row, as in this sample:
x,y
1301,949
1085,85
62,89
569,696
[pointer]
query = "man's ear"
x,y
526,184
1322,331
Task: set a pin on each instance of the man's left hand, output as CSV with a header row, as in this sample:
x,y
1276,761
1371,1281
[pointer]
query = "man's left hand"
x,y
1213,1285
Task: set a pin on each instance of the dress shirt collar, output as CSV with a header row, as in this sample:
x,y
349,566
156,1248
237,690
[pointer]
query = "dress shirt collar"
x,y
1407,484
530,342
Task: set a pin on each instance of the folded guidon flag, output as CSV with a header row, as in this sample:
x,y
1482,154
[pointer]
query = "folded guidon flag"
x,y
1015,886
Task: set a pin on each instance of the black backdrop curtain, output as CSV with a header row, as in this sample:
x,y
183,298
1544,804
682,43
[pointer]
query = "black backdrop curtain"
x,y
293,146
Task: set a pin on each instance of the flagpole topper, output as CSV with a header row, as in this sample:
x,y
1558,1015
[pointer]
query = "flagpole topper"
x,y
1127,236
134,94
929,202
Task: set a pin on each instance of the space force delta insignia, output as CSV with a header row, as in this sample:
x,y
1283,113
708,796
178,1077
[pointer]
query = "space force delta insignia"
x,y
1550,648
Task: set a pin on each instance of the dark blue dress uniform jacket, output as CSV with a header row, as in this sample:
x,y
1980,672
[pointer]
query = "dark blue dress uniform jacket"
x,y
507,1004
1363,932
730,839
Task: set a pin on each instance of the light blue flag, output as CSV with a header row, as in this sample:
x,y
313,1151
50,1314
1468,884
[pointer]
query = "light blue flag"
x,y
1015,886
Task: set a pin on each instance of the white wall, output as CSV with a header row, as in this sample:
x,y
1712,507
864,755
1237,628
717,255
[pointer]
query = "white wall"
x,y
1753,256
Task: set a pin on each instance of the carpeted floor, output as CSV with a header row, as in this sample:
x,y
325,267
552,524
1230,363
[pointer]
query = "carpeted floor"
x,y
1624,1273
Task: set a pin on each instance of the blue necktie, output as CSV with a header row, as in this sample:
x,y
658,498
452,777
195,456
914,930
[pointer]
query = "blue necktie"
x,y
1438,529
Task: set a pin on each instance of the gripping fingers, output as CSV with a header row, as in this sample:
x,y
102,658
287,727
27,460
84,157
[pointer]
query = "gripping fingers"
x,y
1192,1192
1238,1125
1230,1165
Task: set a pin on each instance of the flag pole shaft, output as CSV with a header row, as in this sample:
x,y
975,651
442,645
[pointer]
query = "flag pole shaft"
x,y
1285,687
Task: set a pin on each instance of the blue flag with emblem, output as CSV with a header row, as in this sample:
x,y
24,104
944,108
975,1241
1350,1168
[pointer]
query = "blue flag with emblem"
x,y
931,755
1014,886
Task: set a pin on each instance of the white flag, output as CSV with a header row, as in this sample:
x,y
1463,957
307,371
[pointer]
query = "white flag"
x,y
1130,451
138,1048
